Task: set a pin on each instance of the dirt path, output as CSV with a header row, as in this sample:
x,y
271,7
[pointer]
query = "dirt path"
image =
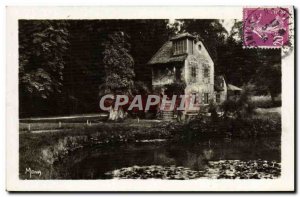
x,y
66,117
39,126
269,110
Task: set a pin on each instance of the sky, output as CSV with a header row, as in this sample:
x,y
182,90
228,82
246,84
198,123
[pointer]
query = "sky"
x,y
227,24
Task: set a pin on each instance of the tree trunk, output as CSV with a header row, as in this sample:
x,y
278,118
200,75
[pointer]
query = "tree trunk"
x,y
115,115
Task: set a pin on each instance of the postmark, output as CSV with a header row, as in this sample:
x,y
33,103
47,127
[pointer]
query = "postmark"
x,y
266,27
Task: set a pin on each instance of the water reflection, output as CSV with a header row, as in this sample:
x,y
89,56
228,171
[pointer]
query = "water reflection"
x,y
93,163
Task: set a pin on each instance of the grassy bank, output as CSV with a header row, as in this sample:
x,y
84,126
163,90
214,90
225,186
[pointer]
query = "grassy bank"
x,y
39,151
42,150
265,101
256,126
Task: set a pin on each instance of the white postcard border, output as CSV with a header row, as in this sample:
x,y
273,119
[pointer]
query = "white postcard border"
x,y
284,183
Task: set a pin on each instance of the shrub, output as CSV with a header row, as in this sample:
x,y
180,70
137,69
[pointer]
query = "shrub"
x,y
230,108
201,127
212,109
240,108
176,88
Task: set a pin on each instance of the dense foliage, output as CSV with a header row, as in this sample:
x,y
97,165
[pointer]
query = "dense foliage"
x,y
241,127
42,48
118,65
64,64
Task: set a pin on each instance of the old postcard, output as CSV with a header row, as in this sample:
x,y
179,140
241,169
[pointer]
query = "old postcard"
x,y
150,98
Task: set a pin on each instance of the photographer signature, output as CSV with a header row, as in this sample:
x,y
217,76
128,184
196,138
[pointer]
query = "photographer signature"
x,y
33,172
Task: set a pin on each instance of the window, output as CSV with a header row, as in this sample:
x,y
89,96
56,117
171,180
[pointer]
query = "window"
x,y
221,84
190,46
179,47
218,97
205,98
193,72
196,97
180,44
184,46
206,72
199,47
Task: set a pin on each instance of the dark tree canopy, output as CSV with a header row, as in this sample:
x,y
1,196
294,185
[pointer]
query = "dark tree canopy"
x,y
242,66
118,64
63,63
211,31
83,66
42,47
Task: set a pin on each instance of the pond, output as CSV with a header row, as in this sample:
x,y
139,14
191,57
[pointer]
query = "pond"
x,y
106,162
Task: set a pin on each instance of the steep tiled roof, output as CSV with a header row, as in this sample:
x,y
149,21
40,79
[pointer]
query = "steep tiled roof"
x,y
231,87
165,55
183,35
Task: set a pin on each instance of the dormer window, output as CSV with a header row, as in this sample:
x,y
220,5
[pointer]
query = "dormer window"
x,y
190,46
179,47
193,72
183,43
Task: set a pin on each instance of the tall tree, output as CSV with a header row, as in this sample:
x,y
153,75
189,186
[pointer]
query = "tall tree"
x,y
241,65
42,46
119,68
83,71
268,75
146,36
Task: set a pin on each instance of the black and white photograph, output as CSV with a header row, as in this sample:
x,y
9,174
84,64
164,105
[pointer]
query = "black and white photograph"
x,y
154,98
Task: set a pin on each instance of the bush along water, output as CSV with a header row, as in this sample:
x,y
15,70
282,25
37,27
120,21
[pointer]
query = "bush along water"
x,y
42,150
238,119
223,127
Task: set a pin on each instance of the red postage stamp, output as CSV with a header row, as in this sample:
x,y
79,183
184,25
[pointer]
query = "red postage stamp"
x,y
266,27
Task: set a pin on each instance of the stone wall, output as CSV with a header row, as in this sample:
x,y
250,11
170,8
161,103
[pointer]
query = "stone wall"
x,y
202,82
